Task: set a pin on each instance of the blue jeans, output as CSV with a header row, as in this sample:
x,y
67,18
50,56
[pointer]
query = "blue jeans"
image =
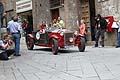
x,y
99,33
118,39
16,39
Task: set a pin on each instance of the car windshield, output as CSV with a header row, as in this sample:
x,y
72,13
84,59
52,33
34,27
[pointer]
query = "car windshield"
x,y
50,29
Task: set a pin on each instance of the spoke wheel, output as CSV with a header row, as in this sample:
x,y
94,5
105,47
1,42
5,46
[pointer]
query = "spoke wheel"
x,y
81,45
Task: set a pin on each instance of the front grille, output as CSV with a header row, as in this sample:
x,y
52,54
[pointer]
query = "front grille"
x,y
67,36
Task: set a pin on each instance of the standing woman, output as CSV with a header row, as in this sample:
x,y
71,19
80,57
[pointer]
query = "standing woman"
x,y
82,29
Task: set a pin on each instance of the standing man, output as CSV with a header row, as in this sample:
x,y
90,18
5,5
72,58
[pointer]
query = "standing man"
x,y
1,13
14,29
4,20
101,25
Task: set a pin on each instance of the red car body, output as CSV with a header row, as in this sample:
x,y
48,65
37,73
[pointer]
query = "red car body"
x,y
56,39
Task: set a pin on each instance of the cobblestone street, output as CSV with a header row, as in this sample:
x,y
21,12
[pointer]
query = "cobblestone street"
x,y
41,64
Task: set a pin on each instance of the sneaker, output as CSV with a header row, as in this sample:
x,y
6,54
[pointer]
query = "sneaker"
x,y
9,57
17,54
101,46
96,45
117,46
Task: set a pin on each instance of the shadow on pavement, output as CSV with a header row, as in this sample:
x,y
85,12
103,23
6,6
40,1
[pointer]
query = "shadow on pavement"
x,y
60,51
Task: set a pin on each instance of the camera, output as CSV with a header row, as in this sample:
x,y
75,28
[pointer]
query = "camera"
x,y
9,42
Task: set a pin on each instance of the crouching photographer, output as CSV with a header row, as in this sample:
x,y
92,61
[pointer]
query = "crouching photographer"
x,y
6,47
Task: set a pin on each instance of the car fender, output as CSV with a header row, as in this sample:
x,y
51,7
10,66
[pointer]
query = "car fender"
x,y
54,36
77,39
30,35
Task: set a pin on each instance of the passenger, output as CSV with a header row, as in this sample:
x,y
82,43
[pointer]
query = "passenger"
x,y
82,29
42,27
54,24
60,23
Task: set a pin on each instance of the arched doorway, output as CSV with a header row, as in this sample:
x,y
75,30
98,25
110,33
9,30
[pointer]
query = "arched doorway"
x,y
55,13
87,8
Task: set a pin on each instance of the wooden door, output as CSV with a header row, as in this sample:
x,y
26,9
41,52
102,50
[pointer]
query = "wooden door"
x,y
55,13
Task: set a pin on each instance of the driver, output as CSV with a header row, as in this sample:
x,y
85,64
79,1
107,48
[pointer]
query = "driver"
x,y
42,27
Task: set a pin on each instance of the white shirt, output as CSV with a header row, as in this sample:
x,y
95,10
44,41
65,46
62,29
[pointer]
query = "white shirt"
x,y
118,24
14,27
1,44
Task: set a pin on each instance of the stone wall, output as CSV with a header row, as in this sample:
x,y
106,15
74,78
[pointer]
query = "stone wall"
x,y
9,7
41,12
109,8
71,14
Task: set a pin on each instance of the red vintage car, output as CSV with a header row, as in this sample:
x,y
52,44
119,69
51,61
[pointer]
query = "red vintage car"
x,y
56,39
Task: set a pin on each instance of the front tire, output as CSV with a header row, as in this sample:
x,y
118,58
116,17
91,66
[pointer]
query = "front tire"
x,y
81,45
30,43
54,46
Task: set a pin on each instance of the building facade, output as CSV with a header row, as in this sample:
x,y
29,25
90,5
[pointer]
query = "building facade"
x,y
109,8
24,9
71,11
9,8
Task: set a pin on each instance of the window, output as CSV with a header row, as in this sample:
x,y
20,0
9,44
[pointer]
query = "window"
x,y
56,3
102,0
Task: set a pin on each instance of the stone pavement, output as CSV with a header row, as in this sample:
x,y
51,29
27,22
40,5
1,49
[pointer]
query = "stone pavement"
x,y
40,64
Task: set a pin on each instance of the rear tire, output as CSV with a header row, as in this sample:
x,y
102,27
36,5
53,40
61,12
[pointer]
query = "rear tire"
x,y
81,45
54,46
30,43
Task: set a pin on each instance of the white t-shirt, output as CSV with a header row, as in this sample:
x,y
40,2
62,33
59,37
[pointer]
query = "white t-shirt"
x,y
118,24
1,44
12,46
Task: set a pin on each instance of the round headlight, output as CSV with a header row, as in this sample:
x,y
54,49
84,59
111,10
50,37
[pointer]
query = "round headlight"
x,y
70,39
62,33
37,35
76,32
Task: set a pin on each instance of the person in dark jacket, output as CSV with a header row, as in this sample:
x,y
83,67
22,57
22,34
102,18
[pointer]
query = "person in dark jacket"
x,y
101,25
